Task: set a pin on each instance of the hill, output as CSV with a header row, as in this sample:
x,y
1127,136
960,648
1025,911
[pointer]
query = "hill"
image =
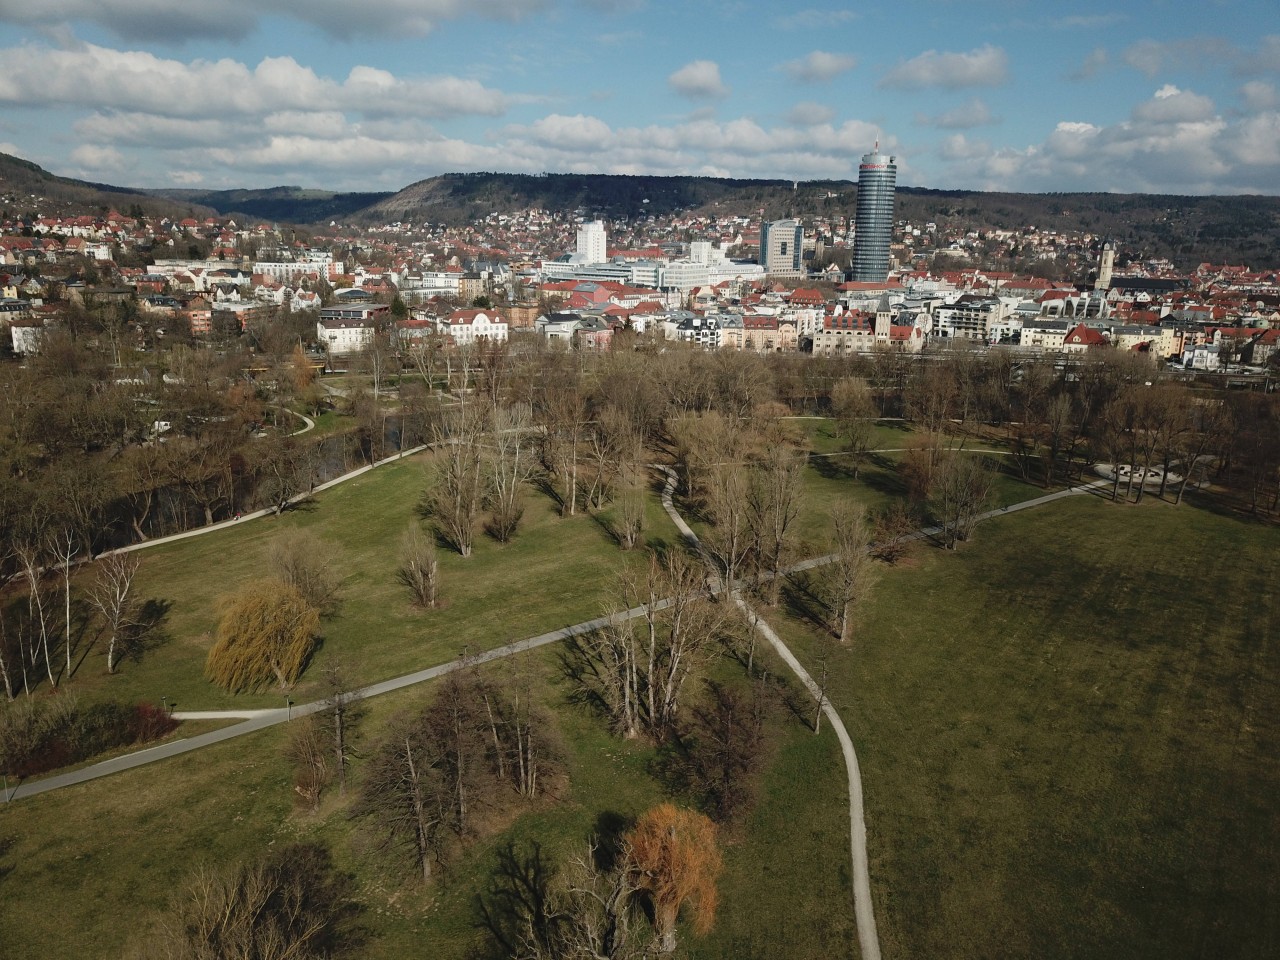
x,y
279,204
463,197
27,188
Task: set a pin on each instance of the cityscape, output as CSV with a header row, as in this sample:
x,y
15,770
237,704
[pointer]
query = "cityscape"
x,y
613,481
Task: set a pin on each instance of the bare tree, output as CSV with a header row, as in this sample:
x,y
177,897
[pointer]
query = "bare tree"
x,y
774,501
642,670
31,558
309,752
510,464
853,572
959,493
854,410
630,522
419,568
590,914
110,596
301,559
7,658
727,493
727,748
402,792
344,710
565,417
289,905
456,494
63,546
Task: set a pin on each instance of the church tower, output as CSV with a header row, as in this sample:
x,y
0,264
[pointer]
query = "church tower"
x,y
1105,265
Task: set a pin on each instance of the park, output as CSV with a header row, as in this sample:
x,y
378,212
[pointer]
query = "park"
x,y
1062,703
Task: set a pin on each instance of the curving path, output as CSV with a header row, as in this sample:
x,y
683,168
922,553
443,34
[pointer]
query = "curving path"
x,y
310,424
864,915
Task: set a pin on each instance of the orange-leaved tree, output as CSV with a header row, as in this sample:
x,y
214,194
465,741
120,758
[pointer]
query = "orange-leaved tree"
x,y
676,860
268,631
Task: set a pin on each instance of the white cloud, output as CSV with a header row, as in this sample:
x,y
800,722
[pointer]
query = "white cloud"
x,y
819,66
810,19
986,66
95,159
100,78
974,113
699,79
181,20
1258,95
1151,57
1257,143
1171,105
809,114
1089,67
1089,21
959,147
1176,142
1265,59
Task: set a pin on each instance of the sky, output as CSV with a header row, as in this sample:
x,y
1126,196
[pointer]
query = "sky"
x,y
1152,96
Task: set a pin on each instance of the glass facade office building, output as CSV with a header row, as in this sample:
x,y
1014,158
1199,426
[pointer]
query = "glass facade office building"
x,y
873,223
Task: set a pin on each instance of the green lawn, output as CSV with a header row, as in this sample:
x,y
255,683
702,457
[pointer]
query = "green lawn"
x,y
552,574
1068,737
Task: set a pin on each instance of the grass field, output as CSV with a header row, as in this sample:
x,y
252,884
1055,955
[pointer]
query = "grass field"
x,y
105,857
552,574
1067,729
1069,737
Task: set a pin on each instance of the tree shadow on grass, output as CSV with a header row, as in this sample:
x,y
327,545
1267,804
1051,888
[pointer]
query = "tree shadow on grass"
x,y
802,600
582,669
150,632
830,468
514,908
609,835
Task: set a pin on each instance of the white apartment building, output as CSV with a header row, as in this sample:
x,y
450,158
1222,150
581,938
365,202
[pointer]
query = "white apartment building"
x,y
592,242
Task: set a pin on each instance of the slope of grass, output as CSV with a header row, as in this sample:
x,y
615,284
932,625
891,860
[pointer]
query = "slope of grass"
x,y
1069,737
551,575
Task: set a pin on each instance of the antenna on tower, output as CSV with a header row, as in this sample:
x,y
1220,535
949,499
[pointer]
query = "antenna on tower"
x,y
876,148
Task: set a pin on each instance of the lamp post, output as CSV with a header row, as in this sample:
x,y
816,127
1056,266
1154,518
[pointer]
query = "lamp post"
x,y
288,708
164,704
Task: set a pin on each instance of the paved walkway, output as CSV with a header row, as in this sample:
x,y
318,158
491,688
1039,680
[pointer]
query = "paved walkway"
x,y
864,914
310,424
255,720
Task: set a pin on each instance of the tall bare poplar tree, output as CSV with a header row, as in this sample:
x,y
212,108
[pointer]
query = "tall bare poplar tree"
x,y
459,478
853,573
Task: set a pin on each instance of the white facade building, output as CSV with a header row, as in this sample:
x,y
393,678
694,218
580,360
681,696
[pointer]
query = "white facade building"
x,y
592,242
471,326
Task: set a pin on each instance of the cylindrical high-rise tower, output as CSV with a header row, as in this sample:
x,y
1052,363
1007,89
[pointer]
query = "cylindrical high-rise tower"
x,y
873,225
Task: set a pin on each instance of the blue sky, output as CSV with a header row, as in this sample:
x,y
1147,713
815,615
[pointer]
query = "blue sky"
x,y
1148,96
